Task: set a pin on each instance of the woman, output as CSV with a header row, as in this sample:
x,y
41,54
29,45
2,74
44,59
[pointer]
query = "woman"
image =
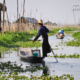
x,y
43,31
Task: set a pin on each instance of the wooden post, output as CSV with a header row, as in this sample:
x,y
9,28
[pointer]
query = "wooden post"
x,y
23,7
0,54
23,11
3,54
17,17
3,17
0,20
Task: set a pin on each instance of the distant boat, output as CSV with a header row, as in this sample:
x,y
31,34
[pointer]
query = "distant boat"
x,y
60,36
26,55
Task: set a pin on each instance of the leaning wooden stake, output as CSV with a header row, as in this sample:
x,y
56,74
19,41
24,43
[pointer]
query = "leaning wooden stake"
x,y
53,54
3,17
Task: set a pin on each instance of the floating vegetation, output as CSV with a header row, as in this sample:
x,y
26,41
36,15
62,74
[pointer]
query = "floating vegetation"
x,y
56,45
13,70
9,68
62,48
15,76
73,43
76,42
55,49
66,56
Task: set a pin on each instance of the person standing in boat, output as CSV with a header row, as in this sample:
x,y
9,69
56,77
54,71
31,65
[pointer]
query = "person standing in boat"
x,y
45,45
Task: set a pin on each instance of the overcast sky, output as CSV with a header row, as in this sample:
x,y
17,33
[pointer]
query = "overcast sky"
x,y
59,11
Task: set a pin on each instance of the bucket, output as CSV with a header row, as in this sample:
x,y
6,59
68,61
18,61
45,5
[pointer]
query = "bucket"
x,y
35,54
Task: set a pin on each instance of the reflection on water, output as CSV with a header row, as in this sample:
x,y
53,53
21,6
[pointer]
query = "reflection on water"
x,y
9,54
0,54
60,47
45,71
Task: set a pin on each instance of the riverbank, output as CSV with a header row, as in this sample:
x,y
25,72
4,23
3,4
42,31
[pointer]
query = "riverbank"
x,y
15,40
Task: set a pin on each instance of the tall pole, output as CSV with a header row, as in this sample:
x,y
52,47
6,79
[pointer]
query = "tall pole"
x,y
17,17
3,18
23,10
23,7
0,20
8,18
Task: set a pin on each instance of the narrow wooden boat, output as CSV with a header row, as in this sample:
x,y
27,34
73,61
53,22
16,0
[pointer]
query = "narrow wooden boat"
x,y
60,36
26,54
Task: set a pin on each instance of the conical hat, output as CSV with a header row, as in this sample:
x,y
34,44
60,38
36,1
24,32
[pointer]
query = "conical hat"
x,y
40,21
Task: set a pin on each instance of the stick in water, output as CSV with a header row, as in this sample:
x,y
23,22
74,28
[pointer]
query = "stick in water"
x,y
54,54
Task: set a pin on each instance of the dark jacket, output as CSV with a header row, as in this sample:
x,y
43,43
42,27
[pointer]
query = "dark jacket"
x,y
42,31
45,46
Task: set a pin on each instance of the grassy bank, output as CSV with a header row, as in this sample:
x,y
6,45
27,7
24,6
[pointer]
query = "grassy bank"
x,y
67,30
15,39
76,41
23,39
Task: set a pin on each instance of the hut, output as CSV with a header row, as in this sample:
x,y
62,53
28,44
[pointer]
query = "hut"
x,y
26,20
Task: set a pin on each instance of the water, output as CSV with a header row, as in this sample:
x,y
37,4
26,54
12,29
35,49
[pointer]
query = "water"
x,y
62,49
64,66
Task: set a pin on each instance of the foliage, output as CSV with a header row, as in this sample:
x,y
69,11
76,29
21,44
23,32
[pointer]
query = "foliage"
x,y
76,35
76,41
14,76
15,39
23,39
66,56
13,70
9,68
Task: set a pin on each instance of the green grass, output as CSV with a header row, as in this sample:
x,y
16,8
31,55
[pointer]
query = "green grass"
x,y
15,39
67,30
23,39
76,35
76,41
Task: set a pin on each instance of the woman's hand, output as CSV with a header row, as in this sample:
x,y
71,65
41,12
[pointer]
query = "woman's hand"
x,y
33,41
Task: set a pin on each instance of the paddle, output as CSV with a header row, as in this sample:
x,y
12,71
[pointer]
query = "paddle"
x,y
54,54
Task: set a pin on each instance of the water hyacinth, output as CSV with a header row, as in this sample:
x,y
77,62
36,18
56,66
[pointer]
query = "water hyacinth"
x,y
9,67
66,56
74,42
43,77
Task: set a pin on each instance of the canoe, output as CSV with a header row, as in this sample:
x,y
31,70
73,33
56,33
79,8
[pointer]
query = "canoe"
x,y
27,55
61,36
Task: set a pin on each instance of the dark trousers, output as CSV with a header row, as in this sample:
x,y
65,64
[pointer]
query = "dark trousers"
x,y
45,46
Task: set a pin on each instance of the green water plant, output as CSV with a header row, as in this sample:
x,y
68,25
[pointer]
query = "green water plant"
x,y
75,55
13,76
9,67
76,41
